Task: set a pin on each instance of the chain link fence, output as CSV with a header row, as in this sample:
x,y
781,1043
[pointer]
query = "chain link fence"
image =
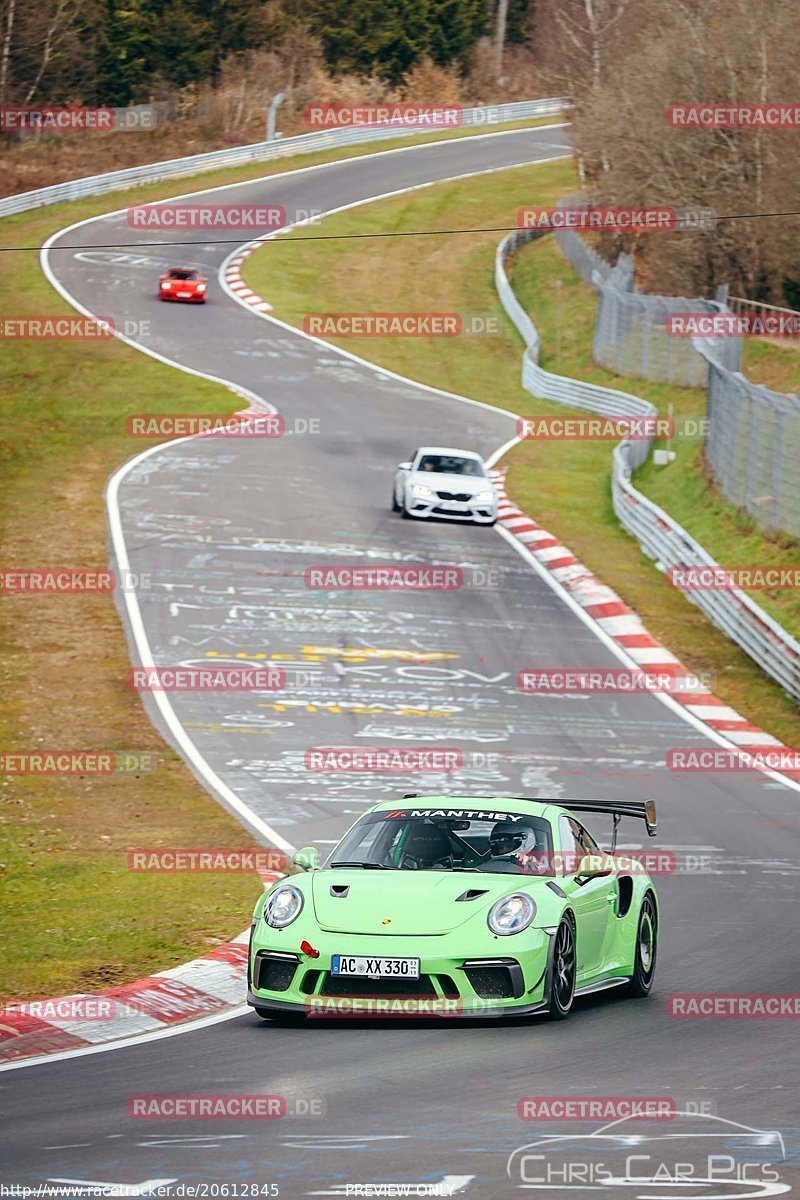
x,y
752,443
661,537
630,335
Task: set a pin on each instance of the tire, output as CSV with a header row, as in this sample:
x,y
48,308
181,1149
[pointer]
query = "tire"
x,y
644,963
563,970
404,513
395,505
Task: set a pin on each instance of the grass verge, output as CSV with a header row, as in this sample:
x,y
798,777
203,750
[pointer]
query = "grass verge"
x,y
564,485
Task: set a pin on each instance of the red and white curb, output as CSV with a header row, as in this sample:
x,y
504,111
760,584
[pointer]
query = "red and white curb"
x,y
238,286
625,627
199,988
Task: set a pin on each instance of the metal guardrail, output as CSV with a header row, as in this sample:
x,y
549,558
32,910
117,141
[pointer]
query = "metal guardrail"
x,y
483,116
662,538
754,308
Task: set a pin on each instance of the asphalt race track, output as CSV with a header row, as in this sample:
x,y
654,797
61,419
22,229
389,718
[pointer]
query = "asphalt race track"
x,y
226,530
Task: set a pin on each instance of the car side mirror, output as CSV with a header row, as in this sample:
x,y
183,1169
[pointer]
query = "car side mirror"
x,y
307,858
594,866
404,466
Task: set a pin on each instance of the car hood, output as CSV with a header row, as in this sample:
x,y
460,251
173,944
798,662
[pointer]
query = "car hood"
x,y
439,482
403,902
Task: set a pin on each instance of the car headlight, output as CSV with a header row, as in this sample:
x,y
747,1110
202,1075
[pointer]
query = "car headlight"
x,y
419,489
283,907
201,287
484,497
512,914
166,284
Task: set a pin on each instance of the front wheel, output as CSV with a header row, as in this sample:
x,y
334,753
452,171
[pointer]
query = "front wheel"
x,y
644,963
562,971
395,505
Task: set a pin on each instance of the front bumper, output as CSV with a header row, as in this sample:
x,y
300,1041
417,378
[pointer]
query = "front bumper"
x,y
481,514
195,298
368,1008
491,980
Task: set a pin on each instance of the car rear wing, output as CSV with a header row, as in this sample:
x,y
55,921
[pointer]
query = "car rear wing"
x,y
644,810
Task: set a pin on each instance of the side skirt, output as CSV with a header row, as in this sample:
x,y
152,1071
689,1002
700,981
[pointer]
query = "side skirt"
x,y
602,985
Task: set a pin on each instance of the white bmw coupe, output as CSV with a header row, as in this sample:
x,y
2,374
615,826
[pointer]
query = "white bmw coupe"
x,y
449,484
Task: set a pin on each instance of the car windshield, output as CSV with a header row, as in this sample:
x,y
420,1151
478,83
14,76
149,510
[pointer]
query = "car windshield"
x,y
184,275
449,464
448,840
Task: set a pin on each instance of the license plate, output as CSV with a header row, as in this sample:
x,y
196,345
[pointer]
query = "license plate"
x,y
375,968
454,506
184,295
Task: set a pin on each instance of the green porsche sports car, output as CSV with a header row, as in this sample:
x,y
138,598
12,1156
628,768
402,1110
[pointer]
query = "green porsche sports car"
x,y
391,925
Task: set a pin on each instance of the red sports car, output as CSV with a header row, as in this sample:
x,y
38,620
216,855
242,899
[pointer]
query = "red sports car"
x,y
183,283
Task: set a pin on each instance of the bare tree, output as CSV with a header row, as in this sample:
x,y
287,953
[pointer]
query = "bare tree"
x,y
59,24
701,51
5,54
501,21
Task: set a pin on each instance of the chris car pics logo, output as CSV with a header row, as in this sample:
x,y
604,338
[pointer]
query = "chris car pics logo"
x,y
692,1156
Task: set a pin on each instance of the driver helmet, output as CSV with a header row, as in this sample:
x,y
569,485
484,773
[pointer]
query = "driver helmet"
x,y
511,839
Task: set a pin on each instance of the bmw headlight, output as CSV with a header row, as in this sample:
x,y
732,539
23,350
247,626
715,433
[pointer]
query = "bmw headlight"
x,y
512,914
283,907
419,489
484,497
